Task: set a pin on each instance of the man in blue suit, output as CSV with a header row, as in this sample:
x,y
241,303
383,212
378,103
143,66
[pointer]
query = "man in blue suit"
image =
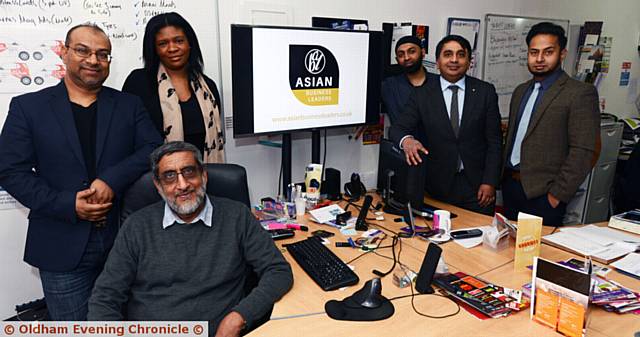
x,y
68,152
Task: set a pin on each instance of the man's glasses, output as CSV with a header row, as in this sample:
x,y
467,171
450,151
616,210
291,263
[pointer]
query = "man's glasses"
x,y
170,177
84,52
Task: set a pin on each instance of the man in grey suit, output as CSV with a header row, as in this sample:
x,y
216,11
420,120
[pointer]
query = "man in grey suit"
x,y
554,127
460,117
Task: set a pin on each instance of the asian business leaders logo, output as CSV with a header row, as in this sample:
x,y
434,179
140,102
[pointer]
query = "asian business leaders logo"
x,y
314,75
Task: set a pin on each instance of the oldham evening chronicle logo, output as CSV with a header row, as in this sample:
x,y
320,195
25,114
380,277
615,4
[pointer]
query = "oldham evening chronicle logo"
x,y
313,74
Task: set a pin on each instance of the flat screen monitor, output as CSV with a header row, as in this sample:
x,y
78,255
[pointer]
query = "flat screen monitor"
x,y
287,79
399,182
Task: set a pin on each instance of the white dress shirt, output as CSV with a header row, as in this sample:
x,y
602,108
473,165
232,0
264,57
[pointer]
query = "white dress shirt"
x,y
206,215
447,93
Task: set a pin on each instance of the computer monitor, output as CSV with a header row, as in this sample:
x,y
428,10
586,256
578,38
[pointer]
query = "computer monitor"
x,y
293,78
399,182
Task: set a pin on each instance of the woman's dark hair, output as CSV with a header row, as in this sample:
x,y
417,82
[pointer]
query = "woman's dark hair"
x,y
152,61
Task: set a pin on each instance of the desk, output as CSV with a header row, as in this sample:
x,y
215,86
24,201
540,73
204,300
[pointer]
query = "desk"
x,y
301,311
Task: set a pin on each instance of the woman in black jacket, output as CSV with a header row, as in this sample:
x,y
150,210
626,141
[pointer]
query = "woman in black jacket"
x,y
184,104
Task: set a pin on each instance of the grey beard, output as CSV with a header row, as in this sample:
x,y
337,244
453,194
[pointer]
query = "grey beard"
x,y
186,209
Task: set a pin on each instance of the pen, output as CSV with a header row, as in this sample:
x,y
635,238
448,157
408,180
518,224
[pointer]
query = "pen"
x,y
353,244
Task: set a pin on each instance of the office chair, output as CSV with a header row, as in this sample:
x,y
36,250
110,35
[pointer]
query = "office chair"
x,y
224,180
628,190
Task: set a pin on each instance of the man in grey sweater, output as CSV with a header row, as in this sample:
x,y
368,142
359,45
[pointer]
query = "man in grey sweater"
x,y
187,258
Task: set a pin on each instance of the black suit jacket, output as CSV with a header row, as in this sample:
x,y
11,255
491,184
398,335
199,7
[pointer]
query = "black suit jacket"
x,y
479,142
145,87
42,166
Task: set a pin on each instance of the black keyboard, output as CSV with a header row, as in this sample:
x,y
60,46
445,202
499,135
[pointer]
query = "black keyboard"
x,y
324,267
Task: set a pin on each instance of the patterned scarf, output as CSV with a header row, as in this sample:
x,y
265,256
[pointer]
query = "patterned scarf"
x,y
172,115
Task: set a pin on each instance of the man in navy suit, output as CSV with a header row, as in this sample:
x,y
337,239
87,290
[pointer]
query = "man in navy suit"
x,y
68,152
461,120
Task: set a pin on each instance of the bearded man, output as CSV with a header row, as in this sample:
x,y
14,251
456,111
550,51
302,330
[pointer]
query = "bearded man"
x,y
397,89
553,135
186,258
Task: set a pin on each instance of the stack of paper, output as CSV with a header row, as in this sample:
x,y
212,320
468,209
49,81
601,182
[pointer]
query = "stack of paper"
x,y
484,299
630,265
612,296
326,215
601,243
627,221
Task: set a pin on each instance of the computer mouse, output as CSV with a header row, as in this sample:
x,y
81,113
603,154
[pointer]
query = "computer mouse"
x,y
370,296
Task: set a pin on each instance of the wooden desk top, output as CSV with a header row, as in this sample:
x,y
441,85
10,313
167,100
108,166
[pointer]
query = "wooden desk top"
x,y
301,311
307,297
606,323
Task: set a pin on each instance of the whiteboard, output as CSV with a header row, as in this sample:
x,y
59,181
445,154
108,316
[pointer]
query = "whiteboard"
x,y
32,32
505,53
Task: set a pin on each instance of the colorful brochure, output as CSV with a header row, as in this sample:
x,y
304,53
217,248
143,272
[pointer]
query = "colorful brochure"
x,y
527,240
560,297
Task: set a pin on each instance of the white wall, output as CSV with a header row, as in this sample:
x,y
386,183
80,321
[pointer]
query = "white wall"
x,y
263,163
19,282
622,22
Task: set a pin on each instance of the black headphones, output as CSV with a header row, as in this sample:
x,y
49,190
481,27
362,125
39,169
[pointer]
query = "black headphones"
x,y
355,188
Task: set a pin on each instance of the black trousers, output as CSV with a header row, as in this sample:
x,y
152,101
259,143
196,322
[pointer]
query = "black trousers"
x,y
462,194
515,201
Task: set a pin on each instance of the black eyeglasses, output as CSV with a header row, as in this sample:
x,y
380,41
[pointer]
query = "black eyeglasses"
x,y
187,172
84,52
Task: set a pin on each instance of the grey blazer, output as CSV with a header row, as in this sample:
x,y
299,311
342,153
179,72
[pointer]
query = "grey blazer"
x,y
560,142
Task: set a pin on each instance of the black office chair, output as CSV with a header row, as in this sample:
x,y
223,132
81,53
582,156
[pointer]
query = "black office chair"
x,y
628,191
224,180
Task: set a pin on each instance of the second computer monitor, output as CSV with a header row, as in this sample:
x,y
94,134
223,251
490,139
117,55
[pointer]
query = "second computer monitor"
x,y
398,181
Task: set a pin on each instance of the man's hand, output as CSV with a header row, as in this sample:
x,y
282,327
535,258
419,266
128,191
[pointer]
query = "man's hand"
x,y
411,149
486,195
231,325
103,194
89,211
553,201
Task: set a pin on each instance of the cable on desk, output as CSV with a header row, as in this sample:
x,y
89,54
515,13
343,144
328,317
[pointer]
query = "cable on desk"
x,y
324,156
280,179
297,316
350,202
500,266
396,240
369,251
382,227
388,258
359,256
554,230
413,296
